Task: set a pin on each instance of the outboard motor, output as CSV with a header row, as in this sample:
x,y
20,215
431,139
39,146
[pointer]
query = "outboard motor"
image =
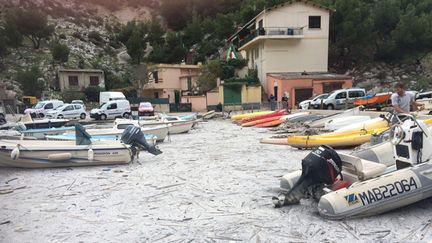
x,y
409,140
134,136
82,137
319,167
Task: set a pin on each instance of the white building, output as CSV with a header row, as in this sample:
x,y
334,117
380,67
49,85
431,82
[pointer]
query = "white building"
x,y
291,37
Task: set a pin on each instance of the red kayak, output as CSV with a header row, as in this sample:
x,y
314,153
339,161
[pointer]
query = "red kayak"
x,y
264,120
273,114
271,123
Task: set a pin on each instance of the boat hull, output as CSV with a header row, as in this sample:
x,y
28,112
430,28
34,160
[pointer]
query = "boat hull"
x,y
379,195
46,154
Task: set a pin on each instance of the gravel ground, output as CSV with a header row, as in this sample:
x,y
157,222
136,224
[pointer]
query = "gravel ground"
x,y
213,184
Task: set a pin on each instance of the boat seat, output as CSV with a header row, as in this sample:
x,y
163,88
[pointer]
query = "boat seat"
x,y
362,168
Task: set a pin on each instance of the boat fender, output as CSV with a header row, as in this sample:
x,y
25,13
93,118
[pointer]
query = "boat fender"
x,y
61,156
15,153
90,154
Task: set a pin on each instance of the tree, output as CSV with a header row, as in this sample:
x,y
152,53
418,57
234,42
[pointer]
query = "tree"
x,y
31,81
60,52
209,74
30,23
135,47
155,32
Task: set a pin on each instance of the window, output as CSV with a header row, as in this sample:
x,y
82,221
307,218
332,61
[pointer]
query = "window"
x,y
94,80
189,83
314,22
68,108
156,95
156,76
356,93
341,95
77,107
112,106
73,80
49,106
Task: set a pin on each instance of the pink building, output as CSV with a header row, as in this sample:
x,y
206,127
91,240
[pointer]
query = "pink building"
x,y
302,86
172,81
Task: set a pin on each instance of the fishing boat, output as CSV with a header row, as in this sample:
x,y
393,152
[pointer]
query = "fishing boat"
x,y
26,122
373,99
208,115
160,131
40,133
151,139
365,187
81,152
174,127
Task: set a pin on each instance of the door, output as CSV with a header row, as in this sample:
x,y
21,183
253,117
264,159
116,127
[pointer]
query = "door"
x,y
112,110
68,111
302,94
232,95
341,99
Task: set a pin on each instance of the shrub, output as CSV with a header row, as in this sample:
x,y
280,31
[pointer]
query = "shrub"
x,y
69,95
95,37
92,93
60,52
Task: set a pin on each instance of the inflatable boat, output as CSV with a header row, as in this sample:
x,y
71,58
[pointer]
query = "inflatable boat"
x,y
349,186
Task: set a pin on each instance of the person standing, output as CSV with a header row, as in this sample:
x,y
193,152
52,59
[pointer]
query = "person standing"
x,y
402,101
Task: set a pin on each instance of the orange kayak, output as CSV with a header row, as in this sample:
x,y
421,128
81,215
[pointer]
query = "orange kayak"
x,y
271,123
376,99
273,114
260,121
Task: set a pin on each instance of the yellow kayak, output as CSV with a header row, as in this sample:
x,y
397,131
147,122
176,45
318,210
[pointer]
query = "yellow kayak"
x,y
249,115
376,123
302,141
335,142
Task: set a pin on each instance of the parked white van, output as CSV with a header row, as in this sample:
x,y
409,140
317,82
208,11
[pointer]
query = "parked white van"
x,y
109,95
111,110
343,98
42,108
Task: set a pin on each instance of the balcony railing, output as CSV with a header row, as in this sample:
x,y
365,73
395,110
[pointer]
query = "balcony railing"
x,y
272,31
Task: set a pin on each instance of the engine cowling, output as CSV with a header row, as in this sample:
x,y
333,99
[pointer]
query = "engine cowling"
x,y
133,135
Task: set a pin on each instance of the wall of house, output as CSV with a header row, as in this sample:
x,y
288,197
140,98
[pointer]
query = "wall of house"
x,y
251,94
83,80
291,85
291,54
213,98
199,103
297,15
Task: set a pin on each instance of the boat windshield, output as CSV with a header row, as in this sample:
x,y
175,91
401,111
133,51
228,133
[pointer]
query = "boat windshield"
x,y
39,105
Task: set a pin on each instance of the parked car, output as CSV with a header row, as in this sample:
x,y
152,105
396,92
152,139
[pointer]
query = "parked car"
x,y
42,107
72,111
111,110
2,116
308,104
80,102
145,109
342,98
